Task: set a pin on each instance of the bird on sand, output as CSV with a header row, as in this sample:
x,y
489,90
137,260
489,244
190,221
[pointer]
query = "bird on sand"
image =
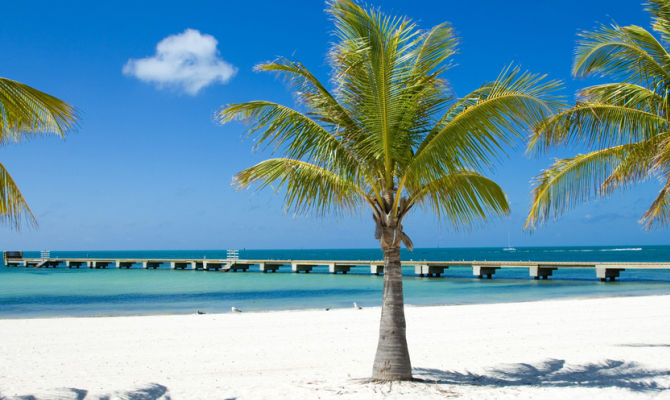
x,y
235,309
356,306
199,312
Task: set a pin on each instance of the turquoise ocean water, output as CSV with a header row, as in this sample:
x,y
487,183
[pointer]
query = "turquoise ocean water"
x,y
83,292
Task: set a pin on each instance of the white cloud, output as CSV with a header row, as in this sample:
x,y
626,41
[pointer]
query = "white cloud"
x,y
187,61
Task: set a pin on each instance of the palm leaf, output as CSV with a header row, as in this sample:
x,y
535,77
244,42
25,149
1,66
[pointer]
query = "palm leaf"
x,y
13,207
573,181
659,212
382,40
628,53
311,92
307,186
660,9
296,134
626,95
638,164
624,123
25,111
477,128
597,125
462,197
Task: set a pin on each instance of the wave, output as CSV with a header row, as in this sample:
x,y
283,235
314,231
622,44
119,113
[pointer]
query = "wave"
x,y
624,249
592,250
570,251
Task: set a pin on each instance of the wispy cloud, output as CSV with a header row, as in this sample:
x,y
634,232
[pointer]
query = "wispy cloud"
x,y
187,61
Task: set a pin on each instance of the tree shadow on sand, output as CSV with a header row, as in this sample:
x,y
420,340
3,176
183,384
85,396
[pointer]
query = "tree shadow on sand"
x,y
607,374
151,392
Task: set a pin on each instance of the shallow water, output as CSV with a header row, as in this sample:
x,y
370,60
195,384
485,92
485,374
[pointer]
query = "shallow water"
x,y
83,292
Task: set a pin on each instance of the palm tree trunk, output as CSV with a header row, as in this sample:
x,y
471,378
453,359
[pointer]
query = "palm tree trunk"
x,y
392,360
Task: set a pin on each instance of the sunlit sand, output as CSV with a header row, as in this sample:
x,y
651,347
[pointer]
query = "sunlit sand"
x,y
564,349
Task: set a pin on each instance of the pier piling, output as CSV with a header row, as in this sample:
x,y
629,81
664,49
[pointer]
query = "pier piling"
x,y
481,271
605,273
377,269
124,264
306,268
334,268
540,272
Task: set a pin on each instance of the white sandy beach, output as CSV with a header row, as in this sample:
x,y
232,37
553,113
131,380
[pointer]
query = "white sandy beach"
x,y
611,348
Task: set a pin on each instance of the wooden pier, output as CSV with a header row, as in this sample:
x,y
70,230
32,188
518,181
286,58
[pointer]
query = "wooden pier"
x,y
481,269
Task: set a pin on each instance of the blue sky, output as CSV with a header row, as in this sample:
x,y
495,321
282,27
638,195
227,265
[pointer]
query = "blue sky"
x,y
150,169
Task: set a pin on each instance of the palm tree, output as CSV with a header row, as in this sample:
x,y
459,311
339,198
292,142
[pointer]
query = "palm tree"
x,y
389,136
624,125
26,112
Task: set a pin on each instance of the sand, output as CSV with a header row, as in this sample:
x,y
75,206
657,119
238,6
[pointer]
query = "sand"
x,y
608,348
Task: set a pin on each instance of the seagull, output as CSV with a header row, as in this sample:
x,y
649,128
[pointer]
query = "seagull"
x,y
356,306
235,309
200,312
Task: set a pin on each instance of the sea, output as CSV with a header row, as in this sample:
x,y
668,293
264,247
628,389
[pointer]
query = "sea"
x,y
59,292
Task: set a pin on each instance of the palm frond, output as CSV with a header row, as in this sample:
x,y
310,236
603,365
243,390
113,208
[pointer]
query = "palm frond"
x,y
477,128
306,186
627,95
311,92
296,134
572,181
13,208
597,125
638,164
462,197
625,124
430,56
628,53
25,111
660,9
658,215
661,159
422,92
376,87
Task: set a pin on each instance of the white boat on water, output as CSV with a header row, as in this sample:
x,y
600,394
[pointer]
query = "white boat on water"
x,y
509,247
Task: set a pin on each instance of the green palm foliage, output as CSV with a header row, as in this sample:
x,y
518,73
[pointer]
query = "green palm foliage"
x,y
26,112
624,125
389,136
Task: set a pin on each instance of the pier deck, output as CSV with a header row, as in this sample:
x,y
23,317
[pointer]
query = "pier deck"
x,y
481,269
